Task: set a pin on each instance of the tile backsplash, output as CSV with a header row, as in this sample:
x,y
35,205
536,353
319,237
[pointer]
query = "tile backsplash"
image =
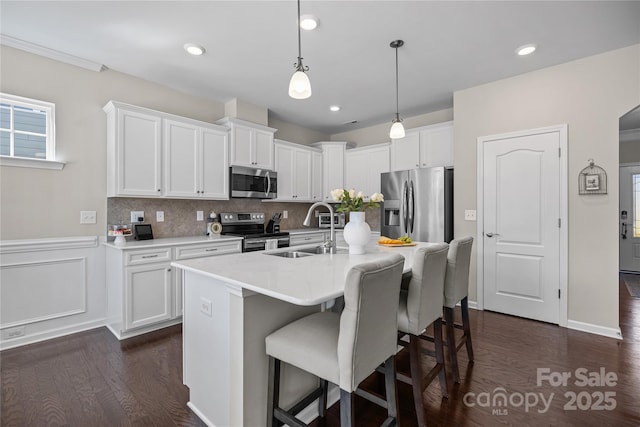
x,y
180,215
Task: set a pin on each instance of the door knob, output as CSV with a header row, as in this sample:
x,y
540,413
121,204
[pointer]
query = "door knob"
x,y
491,234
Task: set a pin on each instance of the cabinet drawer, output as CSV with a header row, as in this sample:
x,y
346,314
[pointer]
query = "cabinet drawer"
x,y
306,239
148,256
208,249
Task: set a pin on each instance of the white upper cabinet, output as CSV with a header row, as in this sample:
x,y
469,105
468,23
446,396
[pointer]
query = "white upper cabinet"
x,y
293,163
363,167
423,148
316,176
155,154
251,144
134,152
195,161
332,166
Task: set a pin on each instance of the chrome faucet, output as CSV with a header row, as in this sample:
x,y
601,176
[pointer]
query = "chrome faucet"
x,y
331,244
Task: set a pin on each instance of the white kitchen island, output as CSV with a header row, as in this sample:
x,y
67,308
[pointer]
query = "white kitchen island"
x,y
231,303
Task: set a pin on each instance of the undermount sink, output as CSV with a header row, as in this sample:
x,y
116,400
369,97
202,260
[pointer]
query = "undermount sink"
x,y
300,253
291,254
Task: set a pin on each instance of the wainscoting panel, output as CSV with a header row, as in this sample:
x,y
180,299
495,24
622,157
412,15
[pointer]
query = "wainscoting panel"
x,y
51,289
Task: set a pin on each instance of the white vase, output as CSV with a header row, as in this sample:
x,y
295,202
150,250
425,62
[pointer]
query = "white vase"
x,y
357,233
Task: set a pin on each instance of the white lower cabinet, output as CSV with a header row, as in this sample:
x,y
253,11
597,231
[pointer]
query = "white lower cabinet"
x,y
144,292
149,295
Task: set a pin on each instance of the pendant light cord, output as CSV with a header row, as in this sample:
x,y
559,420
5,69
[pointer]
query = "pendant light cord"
x,y
299,38
397,107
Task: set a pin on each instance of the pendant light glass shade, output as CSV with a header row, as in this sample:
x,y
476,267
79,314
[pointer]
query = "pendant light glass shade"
x,y
300,86
397,130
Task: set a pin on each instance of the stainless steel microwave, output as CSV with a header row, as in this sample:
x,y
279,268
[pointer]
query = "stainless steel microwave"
x,y
324,220
253,183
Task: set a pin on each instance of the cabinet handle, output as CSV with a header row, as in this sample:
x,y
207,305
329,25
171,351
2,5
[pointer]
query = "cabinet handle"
x,y
150,256
168,269
158,189
211,249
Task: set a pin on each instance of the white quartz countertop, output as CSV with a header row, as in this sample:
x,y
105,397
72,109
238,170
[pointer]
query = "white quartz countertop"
x,y
305,281
170,241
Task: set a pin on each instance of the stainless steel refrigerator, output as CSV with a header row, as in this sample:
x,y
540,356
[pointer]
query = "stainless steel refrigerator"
x,y
418,203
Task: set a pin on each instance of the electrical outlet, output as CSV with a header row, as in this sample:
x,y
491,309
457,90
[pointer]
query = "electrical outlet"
x,y
285,214
87,217
205,306
159,216
137,216
469,215
199,215
16,332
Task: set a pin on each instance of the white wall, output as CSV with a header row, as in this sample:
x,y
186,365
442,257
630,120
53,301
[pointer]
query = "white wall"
x,y
589,95
380,133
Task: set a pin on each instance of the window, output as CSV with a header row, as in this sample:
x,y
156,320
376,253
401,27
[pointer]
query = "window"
x,y
26,131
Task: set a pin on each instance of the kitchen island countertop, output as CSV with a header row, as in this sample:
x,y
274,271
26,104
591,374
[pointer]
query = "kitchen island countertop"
x,y
305,281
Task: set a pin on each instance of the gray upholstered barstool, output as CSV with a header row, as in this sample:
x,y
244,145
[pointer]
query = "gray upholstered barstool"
x,y
345,348
420,306
456,289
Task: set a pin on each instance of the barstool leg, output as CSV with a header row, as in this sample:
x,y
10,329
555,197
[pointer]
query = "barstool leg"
x,y
391,392
273,391
451,343
464,305
346,409
437,338
416,379
322,400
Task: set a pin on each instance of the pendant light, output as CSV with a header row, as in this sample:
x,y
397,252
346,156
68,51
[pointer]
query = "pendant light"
x,y
299,86
397,130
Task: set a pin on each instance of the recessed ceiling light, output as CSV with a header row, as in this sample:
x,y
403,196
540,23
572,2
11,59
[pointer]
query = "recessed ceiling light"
x,y
309,22
527,49
334,108
194,49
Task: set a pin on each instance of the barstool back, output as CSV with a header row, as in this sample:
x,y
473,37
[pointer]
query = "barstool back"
x,y
426,289
368,324
456,286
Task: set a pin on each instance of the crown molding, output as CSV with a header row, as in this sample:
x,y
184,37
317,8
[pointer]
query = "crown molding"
x,y
50,53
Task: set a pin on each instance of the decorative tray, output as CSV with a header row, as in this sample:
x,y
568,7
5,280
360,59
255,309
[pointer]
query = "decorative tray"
x,y
395,245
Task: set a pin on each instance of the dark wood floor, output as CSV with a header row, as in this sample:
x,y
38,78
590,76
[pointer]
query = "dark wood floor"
x,y
92,379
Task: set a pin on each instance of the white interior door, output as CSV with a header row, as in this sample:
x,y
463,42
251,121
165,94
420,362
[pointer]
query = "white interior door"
x,y
521,238
630,218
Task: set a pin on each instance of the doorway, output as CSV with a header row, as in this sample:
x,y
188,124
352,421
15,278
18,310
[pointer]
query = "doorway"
x,y
629,213
522,224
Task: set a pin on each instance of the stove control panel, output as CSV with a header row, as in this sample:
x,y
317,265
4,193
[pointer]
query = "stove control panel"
x,y
242,218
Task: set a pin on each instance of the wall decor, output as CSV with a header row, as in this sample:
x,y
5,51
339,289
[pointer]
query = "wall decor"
x,y
592,180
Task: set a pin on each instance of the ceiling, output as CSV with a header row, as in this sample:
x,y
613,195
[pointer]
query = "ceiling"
x,y
251,47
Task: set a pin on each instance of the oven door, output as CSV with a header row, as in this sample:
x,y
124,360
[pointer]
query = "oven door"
x,y
253,183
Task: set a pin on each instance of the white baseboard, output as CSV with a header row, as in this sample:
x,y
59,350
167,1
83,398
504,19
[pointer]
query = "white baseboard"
x,y
310,413
50,334
200,414
473,304
595,329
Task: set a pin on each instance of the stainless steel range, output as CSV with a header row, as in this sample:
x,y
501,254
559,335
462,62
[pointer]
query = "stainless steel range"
x,y
250,226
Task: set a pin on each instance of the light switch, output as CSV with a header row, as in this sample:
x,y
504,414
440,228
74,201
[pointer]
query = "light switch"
x,y
199,215
469,215
87,217
285,214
